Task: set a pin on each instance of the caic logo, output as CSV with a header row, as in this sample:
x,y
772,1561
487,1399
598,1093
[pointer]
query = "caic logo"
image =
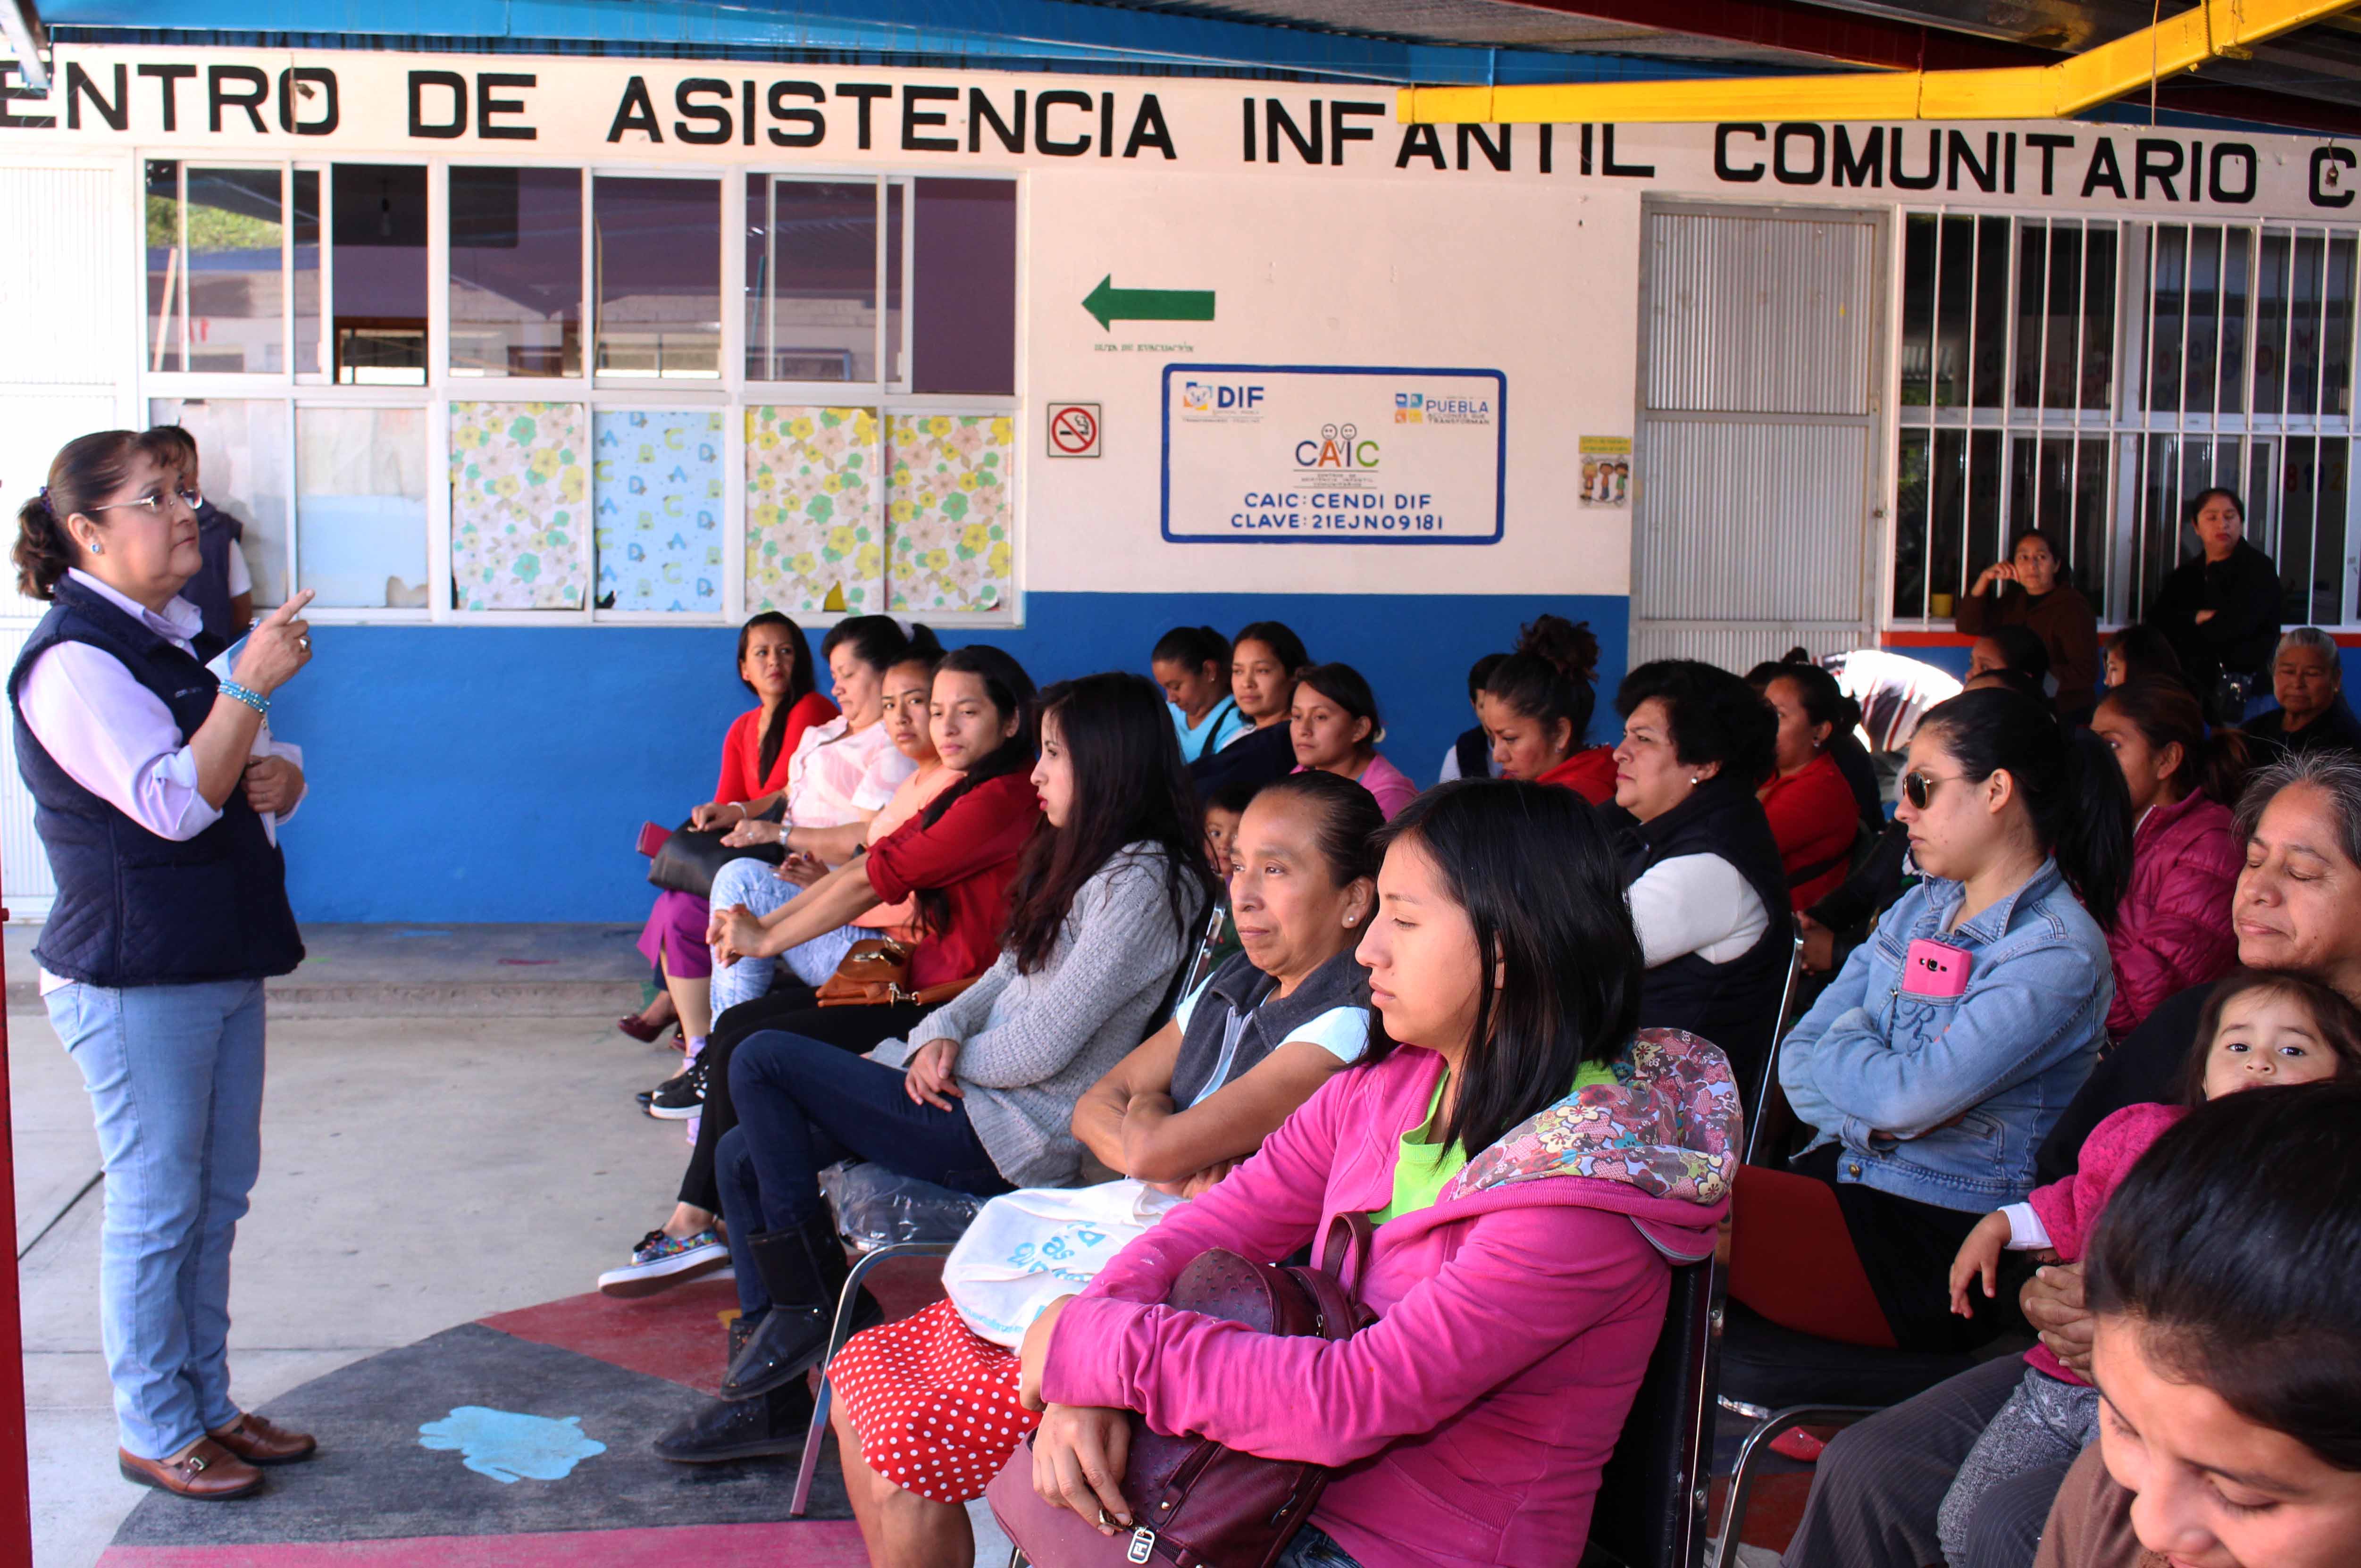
x,y
1205,397
1409,408
1338,446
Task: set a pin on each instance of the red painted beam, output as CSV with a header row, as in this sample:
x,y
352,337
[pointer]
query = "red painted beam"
x,y
1855,39
15,1482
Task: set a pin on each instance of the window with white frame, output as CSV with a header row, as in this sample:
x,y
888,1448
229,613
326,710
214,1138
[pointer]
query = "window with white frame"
x,y
450,391
2088,376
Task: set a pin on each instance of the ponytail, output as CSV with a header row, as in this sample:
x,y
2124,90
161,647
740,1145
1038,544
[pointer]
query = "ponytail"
x,y
2166,714
85,471
1193,648
2073,789
1549,676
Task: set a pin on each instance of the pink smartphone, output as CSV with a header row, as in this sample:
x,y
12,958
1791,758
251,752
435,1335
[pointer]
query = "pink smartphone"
x,y
1936,970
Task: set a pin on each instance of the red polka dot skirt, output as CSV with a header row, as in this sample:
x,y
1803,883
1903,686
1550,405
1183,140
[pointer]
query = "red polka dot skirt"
x,y
934,1404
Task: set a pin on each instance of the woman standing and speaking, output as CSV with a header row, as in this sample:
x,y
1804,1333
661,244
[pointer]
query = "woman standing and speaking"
x,y
171,910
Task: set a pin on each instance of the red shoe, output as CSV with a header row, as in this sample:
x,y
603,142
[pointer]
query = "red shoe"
x,y
640,1029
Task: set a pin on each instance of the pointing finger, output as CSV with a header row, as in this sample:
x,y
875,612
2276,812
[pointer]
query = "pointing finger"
x,y
292,607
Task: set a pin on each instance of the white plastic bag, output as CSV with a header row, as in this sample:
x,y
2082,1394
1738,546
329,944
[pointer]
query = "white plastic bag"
x,y
1028,1248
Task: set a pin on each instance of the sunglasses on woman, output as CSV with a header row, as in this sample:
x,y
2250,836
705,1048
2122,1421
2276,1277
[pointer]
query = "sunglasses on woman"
x,y
1919,789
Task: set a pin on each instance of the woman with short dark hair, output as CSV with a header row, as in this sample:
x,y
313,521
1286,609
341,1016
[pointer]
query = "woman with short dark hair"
x,y
1708,885
1807,798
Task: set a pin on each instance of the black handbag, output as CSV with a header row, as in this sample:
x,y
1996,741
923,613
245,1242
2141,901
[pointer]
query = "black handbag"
x,y
690,859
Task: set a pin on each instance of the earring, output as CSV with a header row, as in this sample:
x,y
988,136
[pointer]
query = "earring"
x,y
1352,920
96,548
1693,781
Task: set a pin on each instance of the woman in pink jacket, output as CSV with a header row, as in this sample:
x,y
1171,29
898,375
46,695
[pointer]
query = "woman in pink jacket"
x,y
1518,1293
2172,930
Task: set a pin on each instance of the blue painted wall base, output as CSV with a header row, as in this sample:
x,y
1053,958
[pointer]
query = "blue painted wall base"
x,y
501,773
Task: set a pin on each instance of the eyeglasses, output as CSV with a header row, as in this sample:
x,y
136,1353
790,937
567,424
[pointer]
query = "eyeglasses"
x,y
1919,789
155,503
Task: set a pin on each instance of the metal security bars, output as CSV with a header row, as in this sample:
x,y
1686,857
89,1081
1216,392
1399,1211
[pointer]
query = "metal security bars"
x,y
2086,377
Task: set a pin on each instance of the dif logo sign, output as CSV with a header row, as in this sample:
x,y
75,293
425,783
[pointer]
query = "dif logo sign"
x,y
1215,399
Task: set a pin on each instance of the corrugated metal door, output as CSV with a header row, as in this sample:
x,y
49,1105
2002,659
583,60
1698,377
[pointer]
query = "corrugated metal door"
x,y
1757,461
64,267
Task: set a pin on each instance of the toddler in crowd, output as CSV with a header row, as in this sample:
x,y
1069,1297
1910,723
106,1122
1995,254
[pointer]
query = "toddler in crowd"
x,y
2261,1031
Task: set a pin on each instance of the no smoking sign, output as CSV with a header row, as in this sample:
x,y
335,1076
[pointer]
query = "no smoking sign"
x,y
1073,429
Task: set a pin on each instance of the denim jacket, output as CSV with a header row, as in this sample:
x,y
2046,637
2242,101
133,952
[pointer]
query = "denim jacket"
x,y
1945,1101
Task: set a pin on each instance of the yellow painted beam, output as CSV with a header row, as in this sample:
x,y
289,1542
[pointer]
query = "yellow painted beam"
x,y
2110,70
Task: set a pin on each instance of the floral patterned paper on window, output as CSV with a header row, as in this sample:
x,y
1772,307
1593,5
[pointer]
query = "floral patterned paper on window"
x,y
948,510
519,536
814,538
658,479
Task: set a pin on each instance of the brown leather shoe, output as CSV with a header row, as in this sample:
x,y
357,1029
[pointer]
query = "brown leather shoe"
x,y
257,1442
208,1473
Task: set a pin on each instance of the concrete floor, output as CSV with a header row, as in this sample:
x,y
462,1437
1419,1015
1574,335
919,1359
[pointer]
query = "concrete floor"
x,y
417,1173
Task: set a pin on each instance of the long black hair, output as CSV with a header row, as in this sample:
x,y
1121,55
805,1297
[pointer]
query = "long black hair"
x,y
1550,676
1193,648
1542,885
2073,788
2235,1245
799,684
1011,692
1130,786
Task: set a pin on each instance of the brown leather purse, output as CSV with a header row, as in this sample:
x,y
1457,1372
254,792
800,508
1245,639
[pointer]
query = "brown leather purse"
x,y
876,974
1199,1504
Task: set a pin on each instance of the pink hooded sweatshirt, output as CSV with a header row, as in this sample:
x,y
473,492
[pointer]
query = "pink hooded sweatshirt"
x,y
1468,1424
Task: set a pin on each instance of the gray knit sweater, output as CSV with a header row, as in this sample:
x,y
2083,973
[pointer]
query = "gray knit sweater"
x,y
1030,1044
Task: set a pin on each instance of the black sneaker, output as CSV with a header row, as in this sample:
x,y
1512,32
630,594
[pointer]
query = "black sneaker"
x,y
678,1098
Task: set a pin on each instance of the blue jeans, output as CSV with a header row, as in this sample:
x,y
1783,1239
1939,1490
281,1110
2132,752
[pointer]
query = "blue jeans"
x,y
175,1081
755,884
804,1105
1312,1548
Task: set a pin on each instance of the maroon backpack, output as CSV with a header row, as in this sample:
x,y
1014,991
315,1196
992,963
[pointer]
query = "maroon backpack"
x,y
1201,1505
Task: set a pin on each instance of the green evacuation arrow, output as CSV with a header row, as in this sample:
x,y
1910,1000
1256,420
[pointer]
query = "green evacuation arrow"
x,y
1111,304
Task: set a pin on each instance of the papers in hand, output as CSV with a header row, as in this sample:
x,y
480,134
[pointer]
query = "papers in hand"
x,y
221,664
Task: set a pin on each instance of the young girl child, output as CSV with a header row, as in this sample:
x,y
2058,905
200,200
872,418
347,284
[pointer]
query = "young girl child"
x,y
2262,1030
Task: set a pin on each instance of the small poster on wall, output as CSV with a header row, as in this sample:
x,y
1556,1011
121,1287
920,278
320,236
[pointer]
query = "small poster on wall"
x,y
1606,470
1333,454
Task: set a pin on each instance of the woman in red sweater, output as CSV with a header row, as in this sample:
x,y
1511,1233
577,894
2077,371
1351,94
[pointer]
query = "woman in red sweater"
x,y
1537,704
1811,807
774,663
2174,927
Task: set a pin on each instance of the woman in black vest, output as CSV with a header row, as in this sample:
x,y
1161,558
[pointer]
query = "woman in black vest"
x,y
1708,891
156,797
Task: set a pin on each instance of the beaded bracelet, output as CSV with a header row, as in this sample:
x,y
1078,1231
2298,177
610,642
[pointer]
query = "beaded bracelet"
x,y
253,700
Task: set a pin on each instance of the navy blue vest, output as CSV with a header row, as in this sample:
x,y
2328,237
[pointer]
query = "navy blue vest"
x,y
133,908
217,535
1731,1003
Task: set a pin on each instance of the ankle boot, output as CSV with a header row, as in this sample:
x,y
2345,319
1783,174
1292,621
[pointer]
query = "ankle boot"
x,y
803,1271
771,1423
